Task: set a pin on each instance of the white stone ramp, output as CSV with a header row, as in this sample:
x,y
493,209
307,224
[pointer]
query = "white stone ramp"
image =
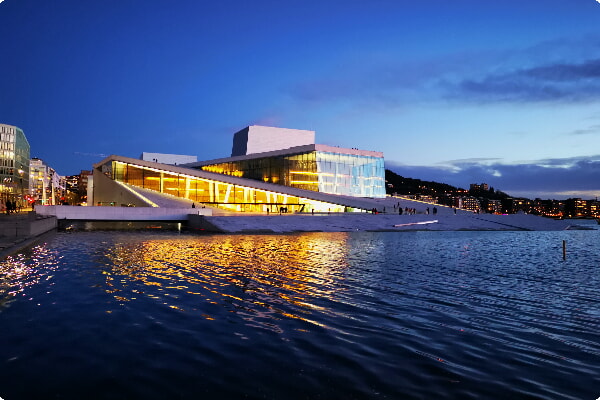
x,y
382,222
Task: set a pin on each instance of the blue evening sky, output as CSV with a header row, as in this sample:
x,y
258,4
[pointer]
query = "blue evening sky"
x,y
463,91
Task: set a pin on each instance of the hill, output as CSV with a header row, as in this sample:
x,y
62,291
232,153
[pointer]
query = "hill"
x,y
409,186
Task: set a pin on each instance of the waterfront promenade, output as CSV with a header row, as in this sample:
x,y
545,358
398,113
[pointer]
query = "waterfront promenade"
x,y
352,222
20,230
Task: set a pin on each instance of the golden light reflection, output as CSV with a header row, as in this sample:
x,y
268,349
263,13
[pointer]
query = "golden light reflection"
x,y
260,278
17,273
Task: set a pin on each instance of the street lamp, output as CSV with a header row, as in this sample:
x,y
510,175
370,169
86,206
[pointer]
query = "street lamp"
x,y
21,172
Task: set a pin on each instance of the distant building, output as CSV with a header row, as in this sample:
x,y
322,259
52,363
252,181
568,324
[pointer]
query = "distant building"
x,y
515,205
426,198
470,203
76,188
71,189
491,206
82,183
593,208
46,187
576,208
548,208
71,183
479,188
14,163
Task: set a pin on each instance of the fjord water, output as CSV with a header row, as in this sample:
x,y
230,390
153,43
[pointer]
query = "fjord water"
x,y
414,315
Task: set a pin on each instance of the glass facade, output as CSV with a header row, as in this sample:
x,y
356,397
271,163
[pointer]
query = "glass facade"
x,y
326,172
14,163
211,192
351,175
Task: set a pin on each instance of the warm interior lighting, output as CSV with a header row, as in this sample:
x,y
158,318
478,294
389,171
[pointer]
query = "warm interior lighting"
x,y
304,173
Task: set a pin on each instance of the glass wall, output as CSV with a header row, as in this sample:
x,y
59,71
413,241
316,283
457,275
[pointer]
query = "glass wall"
x,y
351,175
333,173
298,170
14,163
217,194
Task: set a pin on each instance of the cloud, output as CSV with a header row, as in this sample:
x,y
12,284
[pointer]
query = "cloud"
x,y
565,70
589,69
551,82
549,178
475,160
594,129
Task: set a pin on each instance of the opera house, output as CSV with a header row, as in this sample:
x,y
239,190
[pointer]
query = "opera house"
x,y
270,170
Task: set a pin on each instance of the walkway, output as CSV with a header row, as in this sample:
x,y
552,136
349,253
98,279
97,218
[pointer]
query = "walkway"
x,y
19,230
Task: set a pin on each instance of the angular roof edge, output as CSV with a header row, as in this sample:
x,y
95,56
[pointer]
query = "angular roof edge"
x,y
289,150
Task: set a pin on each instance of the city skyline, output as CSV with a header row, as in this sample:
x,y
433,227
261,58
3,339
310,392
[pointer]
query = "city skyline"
x,y
457,93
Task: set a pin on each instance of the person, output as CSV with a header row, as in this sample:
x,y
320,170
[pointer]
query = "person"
x,y
434,210
399,210
193,205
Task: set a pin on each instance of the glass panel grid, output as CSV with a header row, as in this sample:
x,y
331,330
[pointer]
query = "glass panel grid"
x,y
217,194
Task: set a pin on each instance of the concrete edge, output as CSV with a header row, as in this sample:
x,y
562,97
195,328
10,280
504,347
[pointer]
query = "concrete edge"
x,y
20,246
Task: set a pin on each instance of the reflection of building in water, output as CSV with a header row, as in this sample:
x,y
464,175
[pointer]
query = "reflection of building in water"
x,y
270,169
268,276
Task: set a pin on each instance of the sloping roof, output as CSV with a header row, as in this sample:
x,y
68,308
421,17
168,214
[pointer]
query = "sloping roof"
x,y
289,151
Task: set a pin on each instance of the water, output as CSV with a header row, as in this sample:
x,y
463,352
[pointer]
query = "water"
x,y
420,315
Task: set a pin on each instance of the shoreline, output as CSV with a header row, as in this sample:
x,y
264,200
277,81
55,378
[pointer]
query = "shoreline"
x,y
300,223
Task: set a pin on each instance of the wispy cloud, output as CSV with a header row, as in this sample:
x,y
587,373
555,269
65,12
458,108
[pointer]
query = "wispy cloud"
x,y
550,82
591,130
565,70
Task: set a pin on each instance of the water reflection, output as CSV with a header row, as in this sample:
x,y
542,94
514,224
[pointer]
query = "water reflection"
x,y
405,315
259,278
24,270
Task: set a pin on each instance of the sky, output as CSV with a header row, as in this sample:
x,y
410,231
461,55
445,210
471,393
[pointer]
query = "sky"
x,y
499,92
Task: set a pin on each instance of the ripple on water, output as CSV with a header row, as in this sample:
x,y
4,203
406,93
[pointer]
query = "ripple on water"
x,y
400,315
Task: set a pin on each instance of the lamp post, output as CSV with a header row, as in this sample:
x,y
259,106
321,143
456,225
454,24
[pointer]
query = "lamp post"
x,y
22,195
